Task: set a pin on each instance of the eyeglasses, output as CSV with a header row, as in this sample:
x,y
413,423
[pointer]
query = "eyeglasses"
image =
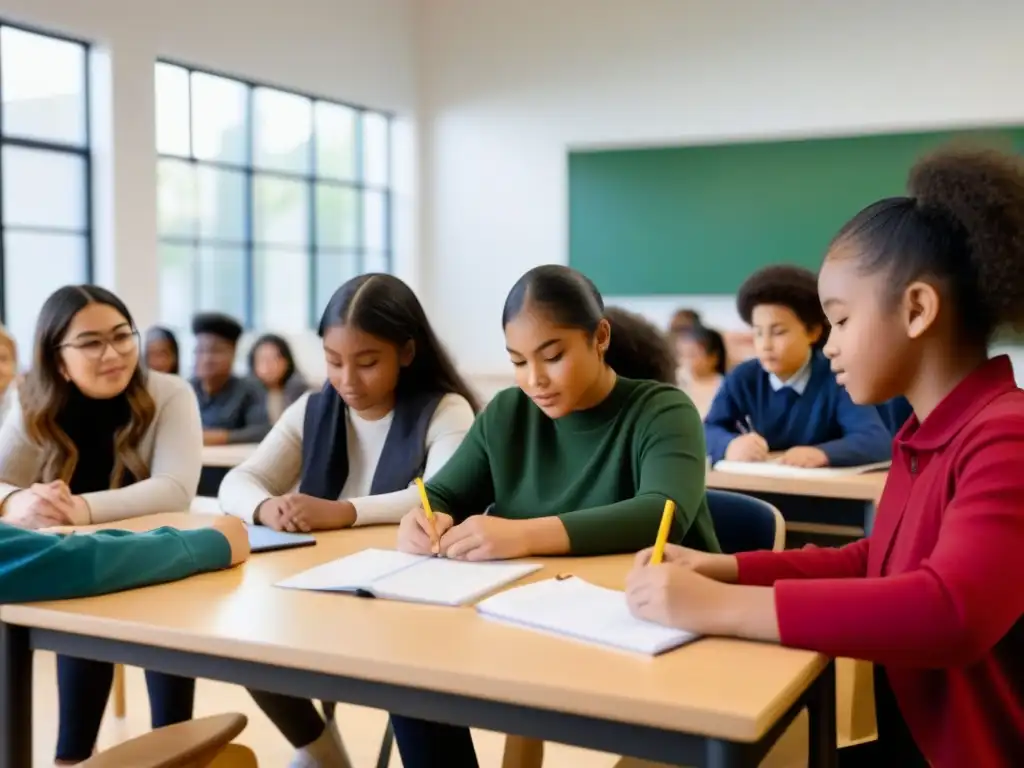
x,y
122,342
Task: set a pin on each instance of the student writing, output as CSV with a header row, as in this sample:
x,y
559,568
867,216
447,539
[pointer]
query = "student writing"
x,y
577,459
394,408
233,409
94,438
787,399
915,288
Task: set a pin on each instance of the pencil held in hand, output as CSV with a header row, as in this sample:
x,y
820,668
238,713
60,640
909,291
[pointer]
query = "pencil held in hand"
x,y
429,512
666,525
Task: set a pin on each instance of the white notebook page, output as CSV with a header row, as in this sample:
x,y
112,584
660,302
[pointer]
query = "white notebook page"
x,y
775,469
358,571
584,611
449,582
418,578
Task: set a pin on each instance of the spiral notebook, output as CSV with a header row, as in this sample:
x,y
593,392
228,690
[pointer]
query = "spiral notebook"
x,y
583,611
414,578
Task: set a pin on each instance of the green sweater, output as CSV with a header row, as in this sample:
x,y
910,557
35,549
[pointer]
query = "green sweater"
x,y
606,472
48,566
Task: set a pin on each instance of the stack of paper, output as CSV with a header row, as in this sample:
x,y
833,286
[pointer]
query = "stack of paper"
x,y
414,578
774,469
583,611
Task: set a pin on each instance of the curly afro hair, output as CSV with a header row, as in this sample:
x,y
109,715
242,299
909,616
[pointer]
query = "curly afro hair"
x,y
787,286
962,225
639,350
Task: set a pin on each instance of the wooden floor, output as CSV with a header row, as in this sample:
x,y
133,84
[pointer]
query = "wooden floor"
x,y
362,728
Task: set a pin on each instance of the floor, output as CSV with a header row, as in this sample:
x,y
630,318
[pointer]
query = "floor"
x,y
362,728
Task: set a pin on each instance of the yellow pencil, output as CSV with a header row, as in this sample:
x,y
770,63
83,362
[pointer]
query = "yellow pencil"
x,y
426,508
666,524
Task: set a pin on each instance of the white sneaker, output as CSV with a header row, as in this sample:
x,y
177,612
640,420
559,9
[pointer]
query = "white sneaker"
x,y
325,752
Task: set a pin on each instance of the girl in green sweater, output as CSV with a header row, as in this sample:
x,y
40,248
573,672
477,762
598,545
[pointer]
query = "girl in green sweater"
x,y
577,459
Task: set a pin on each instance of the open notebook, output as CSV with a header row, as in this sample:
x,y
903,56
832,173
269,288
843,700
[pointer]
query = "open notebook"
x,y
583,611
773,468
415,578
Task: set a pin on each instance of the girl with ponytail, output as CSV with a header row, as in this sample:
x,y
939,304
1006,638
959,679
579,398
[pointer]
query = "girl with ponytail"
x,y
914,288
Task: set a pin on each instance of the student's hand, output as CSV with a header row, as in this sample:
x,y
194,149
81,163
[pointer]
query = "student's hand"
x,y
722,568
416,536
215,437
804,456
59,495
300,512
484,537
676,597
749,447
233,529
31,508
271,513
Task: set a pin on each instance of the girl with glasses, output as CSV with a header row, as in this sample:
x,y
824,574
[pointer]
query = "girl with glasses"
x,y
95,438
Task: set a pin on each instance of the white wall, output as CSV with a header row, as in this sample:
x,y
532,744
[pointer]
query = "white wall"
x,y
360,51
508,86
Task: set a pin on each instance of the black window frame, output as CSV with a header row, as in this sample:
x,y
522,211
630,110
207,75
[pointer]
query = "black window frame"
x,y
249,170
84,152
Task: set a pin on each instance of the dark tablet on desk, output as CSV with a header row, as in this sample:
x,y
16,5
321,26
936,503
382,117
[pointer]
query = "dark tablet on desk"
x,y
263,539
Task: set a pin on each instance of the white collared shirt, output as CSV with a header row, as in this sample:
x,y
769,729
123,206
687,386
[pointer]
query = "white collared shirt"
x,y
797,382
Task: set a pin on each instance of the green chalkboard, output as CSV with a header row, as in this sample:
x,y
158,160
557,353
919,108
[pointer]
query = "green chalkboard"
x,y
700,219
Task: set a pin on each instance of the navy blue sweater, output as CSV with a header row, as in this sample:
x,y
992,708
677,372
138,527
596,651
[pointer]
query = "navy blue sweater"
x,y
824,416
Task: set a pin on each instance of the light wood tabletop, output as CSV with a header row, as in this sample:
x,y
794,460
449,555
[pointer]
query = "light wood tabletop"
x,y
720,688
227,456
866,487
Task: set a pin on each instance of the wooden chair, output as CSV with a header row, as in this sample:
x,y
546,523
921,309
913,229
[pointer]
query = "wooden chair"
x,y
203,743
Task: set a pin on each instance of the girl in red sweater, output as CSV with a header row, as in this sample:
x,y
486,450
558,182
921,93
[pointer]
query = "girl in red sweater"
x,y
914,288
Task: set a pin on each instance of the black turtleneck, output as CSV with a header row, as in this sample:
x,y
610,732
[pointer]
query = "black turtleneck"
x,y
91,424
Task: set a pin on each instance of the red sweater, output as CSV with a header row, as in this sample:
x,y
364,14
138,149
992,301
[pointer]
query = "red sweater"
x,y
936,594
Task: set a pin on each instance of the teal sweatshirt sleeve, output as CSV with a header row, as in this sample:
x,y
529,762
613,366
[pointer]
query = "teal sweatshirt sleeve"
x,y
47,566
669,456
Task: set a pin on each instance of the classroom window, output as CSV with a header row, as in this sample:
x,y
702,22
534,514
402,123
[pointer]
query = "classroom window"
x,y
268,199
45,173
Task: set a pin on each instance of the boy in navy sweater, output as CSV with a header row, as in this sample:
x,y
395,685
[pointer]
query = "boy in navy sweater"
x,y
787,399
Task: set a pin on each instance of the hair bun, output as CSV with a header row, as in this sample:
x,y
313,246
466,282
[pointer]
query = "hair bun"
x,y
983,191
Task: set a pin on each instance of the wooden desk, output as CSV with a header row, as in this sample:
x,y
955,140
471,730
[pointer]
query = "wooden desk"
x,y
227,456
716,702
866,489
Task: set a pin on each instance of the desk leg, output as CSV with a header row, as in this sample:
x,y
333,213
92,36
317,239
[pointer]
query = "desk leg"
x,y
821,711
724,754
15,697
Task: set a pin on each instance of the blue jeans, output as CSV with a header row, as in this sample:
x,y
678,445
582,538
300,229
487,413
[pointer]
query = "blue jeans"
x,y
83,688
425,744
